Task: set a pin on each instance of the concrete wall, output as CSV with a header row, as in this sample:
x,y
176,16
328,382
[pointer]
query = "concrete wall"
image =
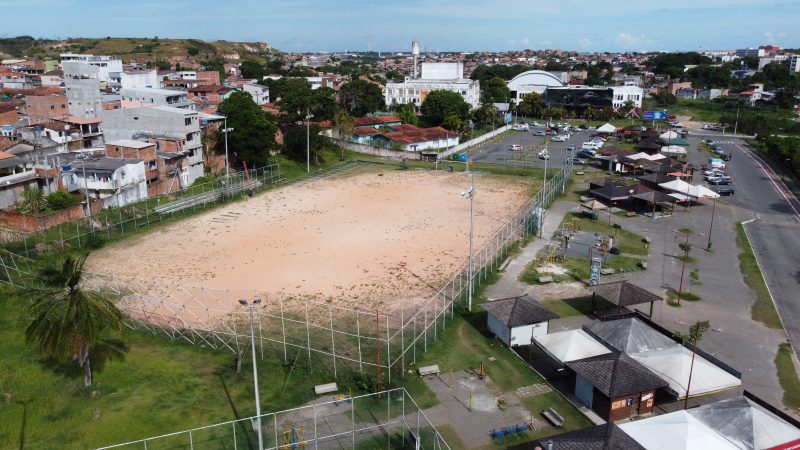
x,y
498,328
473,142
584,391
83,96
377,151
31,224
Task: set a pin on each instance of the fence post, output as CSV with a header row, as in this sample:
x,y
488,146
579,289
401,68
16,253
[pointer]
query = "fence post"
x,y
308,342
358,338
333,343
283,329
388,351
402,340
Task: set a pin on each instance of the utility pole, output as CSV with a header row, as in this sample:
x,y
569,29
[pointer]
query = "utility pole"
x,y
308,140
250,307
470,194
226,130
736,124
86,191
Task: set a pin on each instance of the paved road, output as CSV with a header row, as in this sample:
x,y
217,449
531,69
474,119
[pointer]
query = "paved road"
x,y
774,235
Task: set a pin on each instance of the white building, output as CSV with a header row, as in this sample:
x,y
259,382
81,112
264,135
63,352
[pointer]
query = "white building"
x,y
116,181
532,81
82,83
744,52
623,94
134,79
144,96
794,63
259,92
517,320
104,64
435,76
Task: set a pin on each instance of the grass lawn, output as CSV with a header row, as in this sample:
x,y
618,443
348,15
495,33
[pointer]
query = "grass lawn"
x,y
626,241
578,306
578,268
763,310
787,376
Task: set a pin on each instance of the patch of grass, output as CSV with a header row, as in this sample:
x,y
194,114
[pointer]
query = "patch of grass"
x,y
578,306
573,418
672,294
577,269
626,241
787,376
763,310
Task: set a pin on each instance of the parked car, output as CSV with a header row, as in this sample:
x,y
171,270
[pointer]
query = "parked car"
x,y
517,148
543,154
539,133
724,190
583,127
725,156
558,139
718,150
723,180
710,143
587,154
579,161
521,127
571,147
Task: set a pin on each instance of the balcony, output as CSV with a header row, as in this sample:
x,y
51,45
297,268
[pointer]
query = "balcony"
x,y
9,180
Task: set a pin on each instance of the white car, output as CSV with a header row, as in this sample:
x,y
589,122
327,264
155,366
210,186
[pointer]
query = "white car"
x,y
521,127
558,138
517,148
543,154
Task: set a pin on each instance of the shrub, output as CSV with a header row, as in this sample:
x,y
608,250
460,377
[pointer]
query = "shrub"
x,y
61,199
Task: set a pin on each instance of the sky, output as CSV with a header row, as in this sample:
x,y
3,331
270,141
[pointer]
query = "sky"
x,y
446,25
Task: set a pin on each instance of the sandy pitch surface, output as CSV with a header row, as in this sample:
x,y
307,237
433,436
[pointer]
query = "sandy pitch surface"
x,y
362,240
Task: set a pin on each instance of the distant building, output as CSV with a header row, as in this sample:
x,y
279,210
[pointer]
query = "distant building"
x,y
794,63
82,82
533,81
435,76
745,52
259,92
104,64
710,94
44,107
136,79
143,96
578,98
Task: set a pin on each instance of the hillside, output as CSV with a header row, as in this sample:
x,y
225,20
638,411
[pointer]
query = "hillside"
x,y
134,49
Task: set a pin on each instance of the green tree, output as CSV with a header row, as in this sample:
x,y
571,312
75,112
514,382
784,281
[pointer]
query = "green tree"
x,y
694,336
69,323
360,97
485,114
253,134
494,90
440,104
252,69
453,122
694,278
531,105
294,143
33,201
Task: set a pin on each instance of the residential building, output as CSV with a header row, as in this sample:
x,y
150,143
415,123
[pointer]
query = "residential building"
x,y
794,63
88,130
435,76
115,181
16,174
516,320
15,80
135,79
204,96
45,106
157,170
172,129
710,94
259,92
104,64
625,94
144,96
82,82
685,94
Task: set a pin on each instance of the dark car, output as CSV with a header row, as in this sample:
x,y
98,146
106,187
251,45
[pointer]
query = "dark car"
x,y
584,154
578,161
724,190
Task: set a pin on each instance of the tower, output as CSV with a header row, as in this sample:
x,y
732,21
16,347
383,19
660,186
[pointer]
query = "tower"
x,y
415,53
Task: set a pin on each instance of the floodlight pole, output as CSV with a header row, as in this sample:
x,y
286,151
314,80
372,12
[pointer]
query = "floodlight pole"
x,y
250,307
711,225
470,194
226,130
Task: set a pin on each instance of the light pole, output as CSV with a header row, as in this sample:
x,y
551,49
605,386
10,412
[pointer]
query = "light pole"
x,y
736,124
711,225
308,141
470,194
226,130
250,307
82,157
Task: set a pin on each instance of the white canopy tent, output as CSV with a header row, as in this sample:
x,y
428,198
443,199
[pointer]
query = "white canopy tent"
x,y
668,136
643,155
675,431
572,345
684,188
673,365
673,150
607,128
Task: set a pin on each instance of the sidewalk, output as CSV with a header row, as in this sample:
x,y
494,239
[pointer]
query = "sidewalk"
x,y
508,284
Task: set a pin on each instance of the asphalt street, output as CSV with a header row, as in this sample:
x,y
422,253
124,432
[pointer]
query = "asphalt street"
x,y
501,152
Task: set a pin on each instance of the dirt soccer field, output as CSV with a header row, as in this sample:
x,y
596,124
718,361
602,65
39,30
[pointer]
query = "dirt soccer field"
x,y
365,239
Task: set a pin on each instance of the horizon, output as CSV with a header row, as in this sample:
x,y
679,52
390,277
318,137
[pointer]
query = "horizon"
x,y
309,26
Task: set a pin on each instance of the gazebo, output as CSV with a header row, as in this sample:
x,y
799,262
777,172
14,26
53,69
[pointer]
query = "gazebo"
x,y
592,206
622,294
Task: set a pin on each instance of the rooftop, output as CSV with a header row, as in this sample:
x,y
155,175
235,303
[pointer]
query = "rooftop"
x,y
624,293
130,143
518,311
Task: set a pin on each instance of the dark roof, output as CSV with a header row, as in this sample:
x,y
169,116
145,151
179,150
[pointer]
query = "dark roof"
x,y
601,437
616,374
612,193
656,177
105,164
649,145
413,135
518,311
654,197
629,335
624,293
614,151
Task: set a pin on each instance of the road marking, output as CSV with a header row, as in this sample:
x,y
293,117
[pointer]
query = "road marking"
x,y
772,177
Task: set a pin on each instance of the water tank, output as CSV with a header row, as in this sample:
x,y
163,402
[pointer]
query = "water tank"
x,y
415,48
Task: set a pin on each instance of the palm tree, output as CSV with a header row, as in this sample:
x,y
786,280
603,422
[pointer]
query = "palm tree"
x,y
69,321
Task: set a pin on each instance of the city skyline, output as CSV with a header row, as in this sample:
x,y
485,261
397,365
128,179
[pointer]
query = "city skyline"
x,y
360,25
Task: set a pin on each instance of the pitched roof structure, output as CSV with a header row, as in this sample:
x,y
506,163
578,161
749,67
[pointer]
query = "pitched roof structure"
x,y
629,335
409,136
674,364
601,437
616,374
369,121
624,293
518,311
678,430
571,345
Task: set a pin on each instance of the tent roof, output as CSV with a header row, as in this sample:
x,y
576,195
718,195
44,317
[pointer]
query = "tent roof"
x,y
647,156
594,205
668,135
601,437
624,293
745,423
675,431
672,364
629,335
616,374
677,141
565,346
607,128
518,311
673,150
687,189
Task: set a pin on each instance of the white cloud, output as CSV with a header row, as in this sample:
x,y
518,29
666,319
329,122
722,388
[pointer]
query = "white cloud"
x,y
630,41
525,41
585,42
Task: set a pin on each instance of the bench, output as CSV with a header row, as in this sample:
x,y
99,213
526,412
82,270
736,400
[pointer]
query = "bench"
x,y
553,417
325,388
504,265
543,280
579,172
429,370
607,271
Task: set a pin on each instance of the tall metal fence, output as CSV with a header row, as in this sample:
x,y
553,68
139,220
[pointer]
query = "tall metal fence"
x,y
390,420
112,222
296,329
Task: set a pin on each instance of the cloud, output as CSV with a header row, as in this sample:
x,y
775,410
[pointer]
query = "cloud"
x,y
585,42
629,41
525,41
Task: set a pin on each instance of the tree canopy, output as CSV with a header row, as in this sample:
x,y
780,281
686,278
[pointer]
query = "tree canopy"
x,y
531,105
485,73
494,90
360,97
295,98
672,64
253,134
440,104
252,69
705,76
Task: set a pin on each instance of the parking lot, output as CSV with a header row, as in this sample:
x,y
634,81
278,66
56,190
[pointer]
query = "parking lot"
x,y
501,152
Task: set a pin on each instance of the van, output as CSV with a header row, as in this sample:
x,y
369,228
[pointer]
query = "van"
x,y
716,162
591,145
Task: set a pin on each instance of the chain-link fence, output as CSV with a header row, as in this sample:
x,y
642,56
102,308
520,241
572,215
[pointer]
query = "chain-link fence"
x,y
125,219
390,420
321,333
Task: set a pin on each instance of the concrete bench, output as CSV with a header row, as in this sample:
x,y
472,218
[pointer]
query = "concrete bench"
x,y
544,280
504,265
325,388
579,172
607,271
553,417
429,370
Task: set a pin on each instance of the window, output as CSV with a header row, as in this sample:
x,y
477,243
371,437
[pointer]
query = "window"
x,y
188,137
188,121
52,106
